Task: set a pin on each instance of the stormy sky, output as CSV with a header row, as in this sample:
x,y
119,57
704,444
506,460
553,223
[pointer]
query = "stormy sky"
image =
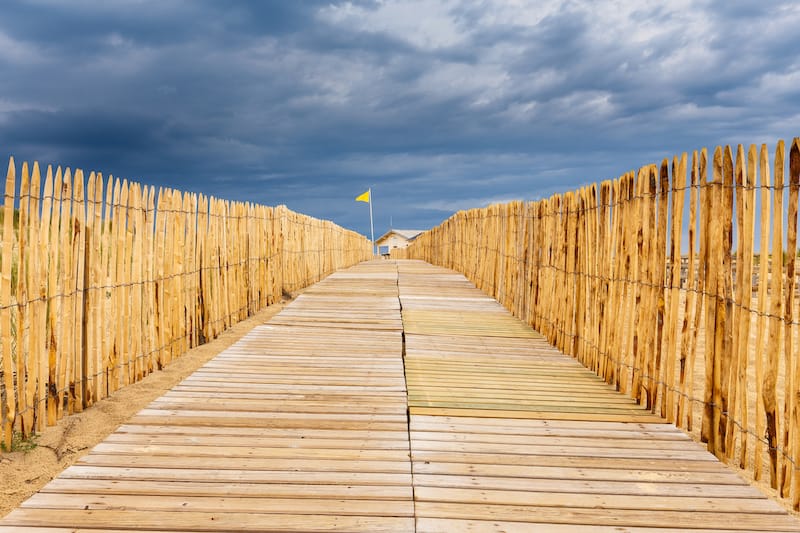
x,y
438,105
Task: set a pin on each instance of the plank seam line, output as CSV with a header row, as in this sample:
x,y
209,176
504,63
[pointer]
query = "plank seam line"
x,y
408,409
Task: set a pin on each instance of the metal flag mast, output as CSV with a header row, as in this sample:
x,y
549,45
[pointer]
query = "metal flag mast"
x,y
371,226
367,197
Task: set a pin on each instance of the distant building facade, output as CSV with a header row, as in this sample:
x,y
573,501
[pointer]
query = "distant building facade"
x,y
396,238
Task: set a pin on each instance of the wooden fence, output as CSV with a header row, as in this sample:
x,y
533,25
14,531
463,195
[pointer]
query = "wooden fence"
x,y
712,347
104,282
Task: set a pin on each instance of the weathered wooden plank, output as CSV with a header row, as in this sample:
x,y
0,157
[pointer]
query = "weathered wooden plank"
x,y
522,427
543,415
217,504
599,473
233,452
598,501
586,486
455,525
742,521
528,443
228,489
655,462
204,521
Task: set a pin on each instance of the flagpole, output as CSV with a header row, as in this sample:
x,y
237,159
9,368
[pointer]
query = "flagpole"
x,y
371,226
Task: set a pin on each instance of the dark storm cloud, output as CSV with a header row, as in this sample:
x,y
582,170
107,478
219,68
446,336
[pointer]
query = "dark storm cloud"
x,y
87,128
437,104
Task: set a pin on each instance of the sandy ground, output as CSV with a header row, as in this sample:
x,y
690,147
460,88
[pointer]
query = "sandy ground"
x,y
59,446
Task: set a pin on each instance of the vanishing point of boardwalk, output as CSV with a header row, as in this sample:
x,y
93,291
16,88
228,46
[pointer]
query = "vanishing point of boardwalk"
x,y
394,396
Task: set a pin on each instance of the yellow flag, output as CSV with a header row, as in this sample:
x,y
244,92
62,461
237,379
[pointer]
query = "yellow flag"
x,y
363,197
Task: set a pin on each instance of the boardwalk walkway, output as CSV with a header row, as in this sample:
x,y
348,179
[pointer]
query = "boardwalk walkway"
x,y
312,422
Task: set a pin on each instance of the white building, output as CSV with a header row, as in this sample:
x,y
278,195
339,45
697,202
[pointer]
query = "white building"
x,y
396,238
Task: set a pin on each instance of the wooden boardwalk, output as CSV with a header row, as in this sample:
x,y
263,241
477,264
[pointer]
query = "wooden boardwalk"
x,y
306,425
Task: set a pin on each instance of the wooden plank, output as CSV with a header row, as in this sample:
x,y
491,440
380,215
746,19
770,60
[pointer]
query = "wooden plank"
x,y
301,476
598,473
248,433
528,443
587,486
454,525
217,504
128,451
531,406
598,501
525,427
204,521
661,462
56,529
583,430
537,396
200,445
617,517
196,488
518,450
542,415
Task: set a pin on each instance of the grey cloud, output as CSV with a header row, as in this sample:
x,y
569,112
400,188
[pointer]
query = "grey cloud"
x,y
280,102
